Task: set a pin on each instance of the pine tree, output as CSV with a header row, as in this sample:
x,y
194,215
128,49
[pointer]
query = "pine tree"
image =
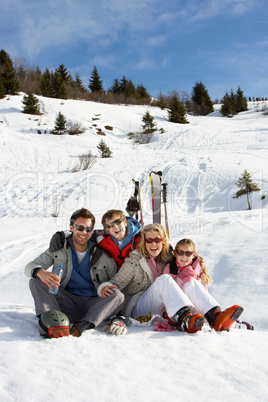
x,y
149,125
2,89
8,74
176,111
141,92
233,103
203,105
4,57
63,73
60,125
95,82
31,104
130,90
115,88
79,83
104,149
247,186
162,101
241,101
123,84
226,107
59,88
46,83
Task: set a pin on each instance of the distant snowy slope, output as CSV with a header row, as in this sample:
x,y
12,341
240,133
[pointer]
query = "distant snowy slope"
x,y
201,162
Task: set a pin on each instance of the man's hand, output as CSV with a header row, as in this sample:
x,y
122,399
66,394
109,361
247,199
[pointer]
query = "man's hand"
x,y
48,278
57,241
107,291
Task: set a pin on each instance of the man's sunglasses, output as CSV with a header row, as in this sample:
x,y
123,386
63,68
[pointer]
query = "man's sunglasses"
x,y
116,222
81,228
155,240
187,253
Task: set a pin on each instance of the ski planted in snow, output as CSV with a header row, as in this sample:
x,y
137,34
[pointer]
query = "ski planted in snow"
x,y
140,204
156,183
164,191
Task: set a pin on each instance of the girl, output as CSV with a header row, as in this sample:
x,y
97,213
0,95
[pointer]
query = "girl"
x,y
188,270
145,287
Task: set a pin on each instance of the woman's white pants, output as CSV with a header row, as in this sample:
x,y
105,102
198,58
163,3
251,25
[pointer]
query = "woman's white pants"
x,y
165,294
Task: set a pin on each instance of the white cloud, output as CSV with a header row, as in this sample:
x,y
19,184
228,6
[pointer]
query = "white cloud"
x,y
156,41
47,23
197,11
125,35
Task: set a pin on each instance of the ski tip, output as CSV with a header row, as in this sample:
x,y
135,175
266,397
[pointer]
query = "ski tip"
x,y
159,173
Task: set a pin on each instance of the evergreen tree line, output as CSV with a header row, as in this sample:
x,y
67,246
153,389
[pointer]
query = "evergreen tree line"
x,y
123,89
233,103
60,84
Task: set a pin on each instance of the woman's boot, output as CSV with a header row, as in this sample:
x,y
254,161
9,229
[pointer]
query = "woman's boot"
x,y
188,321
222,320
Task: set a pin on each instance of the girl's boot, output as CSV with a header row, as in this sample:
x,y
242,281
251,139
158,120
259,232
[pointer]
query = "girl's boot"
x,y
188,321
222,320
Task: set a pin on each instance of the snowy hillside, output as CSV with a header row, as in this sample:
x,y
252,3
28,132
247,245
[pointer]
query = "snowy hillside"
x,y
201,161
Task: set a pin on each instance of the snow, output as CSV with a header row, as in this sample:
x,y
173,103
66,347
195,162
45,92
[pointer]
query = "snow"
x,y
201,162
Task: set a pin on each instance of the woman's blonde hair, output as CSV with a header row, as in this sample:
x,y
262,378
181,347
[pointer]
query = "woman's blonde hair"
x,y
156,227
204,276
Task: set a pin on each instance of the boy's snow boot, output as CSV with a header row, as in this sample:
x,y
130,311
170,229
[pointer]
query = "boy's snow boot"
x,y
222,320
188,321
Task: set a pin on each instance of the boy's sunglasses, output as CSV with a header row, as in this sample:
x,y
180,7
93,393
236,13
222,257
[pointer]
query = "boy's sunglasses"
x,y
155,240
81,228
116,222
187,253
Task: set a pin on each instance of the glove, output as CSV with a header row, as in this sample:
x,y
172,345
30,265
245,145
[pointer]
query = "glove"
x,y
164,327
116,326
187,274
57,241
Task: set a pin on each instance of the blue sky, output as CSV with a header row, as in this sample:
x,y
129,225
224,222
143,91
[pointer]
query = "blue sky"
x,y
163,44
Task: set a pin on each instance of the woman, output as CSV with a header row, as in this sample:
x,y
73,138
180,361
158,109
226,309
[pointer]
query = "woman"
x,y
146,289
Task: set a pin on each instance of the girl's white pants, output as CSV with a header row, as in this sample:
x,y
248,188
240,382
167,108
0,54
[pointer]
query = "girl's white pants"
x,y
165,294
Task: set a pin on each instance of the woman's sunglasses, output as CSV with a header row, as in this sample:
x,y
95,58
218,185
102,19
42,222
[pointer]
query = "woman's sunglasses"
x,y
155,240
187,253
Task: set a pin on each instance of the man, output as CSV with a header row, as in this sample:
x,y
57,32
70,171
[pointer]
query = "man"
x,y
119,237
85,266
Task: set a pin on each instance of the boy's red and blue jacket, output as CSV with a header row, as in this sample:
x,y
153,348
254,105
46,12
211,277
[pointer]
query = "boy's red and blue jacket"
x,y
119,251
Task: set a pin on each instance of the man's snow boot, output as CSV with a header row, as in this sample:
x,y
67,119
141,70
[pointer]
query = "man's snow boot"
x,y
188,321
222,320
